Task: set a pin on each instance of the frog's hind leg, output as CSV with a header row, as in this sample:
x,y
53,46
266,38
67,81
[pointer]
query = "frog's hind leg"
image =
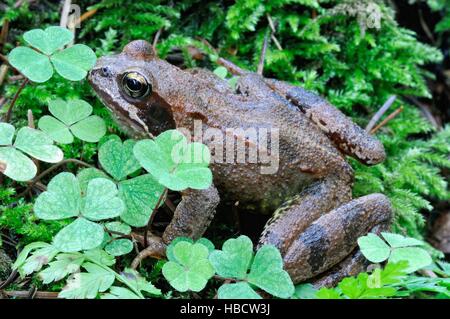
x,y
347,136
333,236
350,266
296,215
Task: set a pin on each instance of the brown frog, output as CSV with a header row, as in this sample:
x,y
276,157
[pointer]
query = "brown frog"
x,y
315,221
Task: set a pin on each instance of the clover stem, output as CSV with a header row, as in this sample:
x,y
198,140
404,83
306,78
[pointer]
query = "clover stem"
x,y
51,169
14,100
152,216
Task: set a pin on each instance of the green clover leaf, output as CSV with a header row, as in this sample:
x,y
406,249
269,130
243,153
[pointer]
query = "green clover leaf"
x,y
37,64
139,194
49,40
119,247
33,142
117,159
74,62
267,273
118,227
374,248
397,241
72,117
234,260
175,163
400,249
191,270
266,269
81,234
34,65
63,199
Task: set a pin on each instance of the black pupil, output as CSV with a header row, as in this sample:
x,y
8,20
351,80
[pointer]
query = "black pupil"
x,y
134,85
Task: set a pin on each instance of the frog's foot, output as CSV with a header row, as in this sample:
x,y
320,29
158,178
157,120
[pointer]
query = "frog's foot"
x,y
155,249
333,236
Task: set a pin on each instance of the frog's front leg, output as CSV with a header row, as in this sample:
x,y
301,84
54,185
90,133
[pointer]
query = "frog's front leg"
x,y
193,214
332,237
347,136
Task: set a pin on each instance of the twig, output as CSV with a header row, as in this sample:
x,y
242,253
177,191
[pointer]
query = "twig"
x,y
16,96
86,16
4,32
65,13
156,38
37,294
113,232
30,119
3,72
152,216
9,280
380,113
262,57
425,28
272,36
426,112
387,119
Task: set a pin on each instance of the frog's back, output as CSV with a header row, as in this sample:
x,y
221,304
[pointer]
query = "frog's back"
x,y
298,152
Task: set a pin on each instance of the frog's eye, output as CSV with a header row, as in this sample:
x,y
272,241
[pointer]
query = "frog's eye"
x,y
135,85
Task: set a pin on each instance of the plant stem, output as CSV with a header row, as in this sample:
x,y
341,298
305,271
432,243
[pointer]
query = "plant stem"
x,y
13,102
51,169
152,216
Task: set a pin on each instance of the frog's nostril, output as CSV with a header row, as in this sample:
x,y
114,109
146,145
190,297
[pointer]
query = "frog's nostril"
x,y
105,71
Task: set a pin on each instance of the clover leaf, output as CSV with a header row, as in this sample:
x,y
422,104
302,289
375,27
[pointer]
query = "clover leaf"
x,y
191,269
33,142
267,273
117,158
400,248
175,163
63,199
72,118
139,194
119,247
37,64
266,269
234,260
374,248
115,245
204,241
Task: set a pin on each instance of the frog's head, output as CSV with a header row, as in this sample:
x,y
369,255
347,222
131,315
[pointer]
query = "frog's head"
x,y
133,86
